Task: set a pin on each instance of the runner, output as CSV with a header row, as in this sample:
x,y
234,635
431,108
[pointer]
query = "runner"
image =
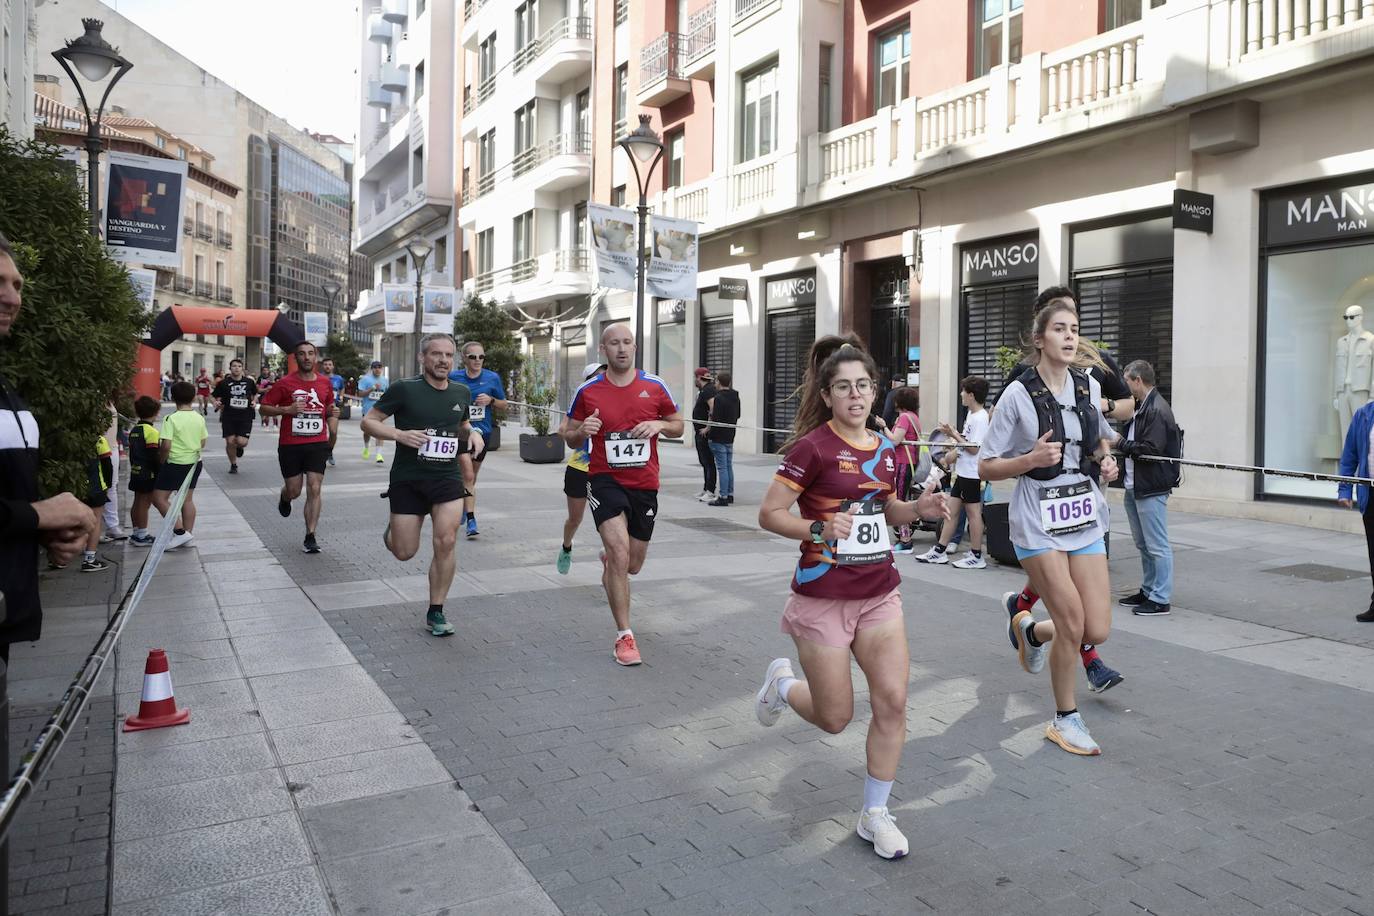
x,y
203,388
1117,404
304,398
371,387
488,394
327,366
1048,425
234,397
265,383
575,485
845,599
431,431
143,467
622,412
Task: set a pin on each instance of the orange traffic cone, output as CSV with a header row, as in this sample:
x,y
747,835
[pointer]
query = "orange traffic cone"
x,y
158,707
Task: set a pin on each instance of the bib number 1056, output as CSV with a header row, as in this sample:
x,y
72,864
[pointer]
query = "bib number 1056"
x,y
623,451
1069,508
869,540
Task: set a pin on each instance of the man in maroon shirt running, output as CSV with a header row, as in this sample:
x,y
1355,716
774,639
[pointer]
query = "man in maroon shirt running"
x,y
306,399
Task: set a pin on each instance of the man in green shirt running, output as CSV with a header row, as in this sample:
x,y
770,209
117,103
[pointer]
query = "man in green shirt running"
x,y
431,430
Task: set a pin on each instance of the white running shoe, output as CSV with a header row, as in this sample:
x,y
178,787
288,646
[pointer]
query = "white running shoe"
x,y
1032,657
932,556
179,540
770,702
878,827
971,560
705,496
1070,733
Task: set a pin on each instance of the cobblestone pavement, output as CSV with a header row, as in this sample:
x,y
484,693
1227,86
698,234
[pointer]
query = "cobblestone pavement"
x,y
1228,783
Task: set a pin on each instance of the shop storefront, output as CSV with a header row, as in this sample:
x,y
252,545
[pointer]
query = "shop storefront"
x,y
573,360
999,280
889,290
717,337
1316,357
1123,275
670,345
790,310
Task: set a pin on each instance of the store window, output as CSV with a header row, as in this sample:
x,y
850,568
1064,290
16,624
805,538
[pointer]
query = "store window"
x,y
1317,366
998,32
999,280
790,310
670,344
892,67
717,331
759,113
1124,12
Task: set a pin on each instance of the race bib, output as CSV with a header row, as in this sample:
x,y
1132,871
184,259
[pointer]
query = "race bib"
x,y
625,451
440,447
1069,508
868,541
374,393
477,413
307,425
238,403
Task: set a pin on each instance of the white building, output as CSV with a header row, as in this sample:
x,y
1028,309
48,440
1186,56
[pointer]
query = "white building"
x,y
403,173
18,45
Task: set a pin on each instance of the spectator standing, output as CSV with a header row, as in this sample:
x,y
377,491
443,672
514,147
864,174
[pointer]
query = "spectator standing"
x,y
905,430
167,380
967,489
1152,431
724,406
889,413
110,512
180,443
701,410
1355,463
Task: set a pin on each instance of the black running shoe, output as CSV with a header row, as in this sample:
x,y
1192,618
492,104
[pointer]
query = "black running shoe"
x,y
1150,608
1366,616
284,508
310,546
1135,600
233,469
239,449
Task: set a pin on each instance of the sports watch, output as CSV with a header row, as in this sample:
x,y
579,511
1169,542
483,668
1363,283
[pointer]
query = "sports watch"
x,y
817,529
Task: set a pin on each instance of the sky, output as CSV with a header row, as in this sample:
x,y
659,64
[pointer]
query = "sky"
x,y
296,58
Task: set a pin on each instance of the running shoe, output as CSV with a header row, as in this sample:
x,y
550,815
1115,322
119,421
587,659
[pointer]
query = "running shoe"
x,y
142,540
971,560
472,527
233,469
877,827
380,459
1009,605
1101,677
1150,609
705,496
367,453
564,561
900,548
626,652
720,501
53,564
180,540
933,556
1366,616
309,545
109,537
1070,733
96,565
283,507
438,624
1135,600
239,450
1032,657
331,459
770,702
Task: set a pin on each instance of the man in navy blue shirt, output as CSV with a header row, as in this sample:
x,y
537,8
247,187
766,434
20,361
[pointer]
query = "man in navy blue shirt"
x,y
488,394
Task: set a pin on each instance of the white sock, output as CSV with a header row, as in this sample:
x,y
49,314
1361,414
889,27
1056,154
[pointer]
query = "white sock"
x,y
876,792
140,532
620,633
88,556
785,686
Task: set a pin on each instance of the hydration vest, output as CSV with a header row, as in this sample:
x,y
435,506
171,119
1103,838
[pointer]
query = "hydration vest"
x,y
1048,412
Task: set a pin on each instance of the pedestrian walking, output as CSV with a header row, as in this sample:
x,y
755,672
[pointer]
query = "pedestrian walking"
x,y
144,461
575,484
1359,442
1152,431
966,493
889,412
701,410
725,409
109,514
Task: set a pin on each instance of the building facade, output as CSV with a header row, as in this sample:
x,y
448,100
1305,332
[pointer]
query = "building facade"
x,y
18,45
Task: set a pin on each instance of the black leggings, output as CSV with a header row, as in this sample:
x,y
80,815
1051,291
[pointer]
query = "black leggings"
x,y
1369,541
708,462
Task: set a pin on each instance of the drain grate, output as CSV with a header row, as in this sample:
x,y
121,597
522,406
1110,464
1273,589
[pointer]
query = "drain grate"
x,y
1317,572
714,525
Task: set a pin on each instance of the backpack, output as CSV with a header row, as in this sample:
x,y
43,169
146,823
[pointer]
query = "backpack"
x,y
1049,413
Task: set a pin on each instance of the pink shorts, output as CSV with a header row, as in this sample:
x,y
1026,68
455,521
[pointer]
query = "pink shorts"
x,y
834,621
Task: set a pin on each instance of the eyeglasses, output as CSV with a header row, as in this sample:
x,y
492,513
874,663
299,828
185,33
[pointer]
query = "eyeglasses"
x,y
844,388
477,356
1352,317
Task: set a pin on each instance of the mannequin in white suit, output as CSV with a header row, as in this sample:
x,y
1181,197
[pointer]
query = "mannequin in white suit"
x,y
1354,375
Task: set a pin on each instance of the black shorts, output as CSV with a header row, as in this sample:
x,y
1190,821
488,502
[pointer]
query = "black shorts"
x,y
142,486
170,476
967,489
418,497
609,499
236,426
309,458
574,483
478,459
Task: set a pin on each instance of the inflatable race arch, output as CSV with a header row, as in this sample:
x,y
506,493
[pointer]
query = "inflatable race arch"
x,y
179,320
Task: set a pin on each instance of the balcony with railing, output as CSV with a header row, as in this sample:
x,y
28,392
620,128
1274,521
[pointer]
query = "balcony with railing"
x,y
547,277
224,238
224,293
395,11
559,162
205,289
485,89
378,29
377,97
661,77
398,212
561,53
395,77
205,232
744,8
184,284
188,226
698,55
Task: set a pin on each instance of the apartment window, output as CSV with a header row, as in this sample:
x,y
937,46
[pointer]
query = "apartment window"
x,y
676,150
618,196
892,66
420,8
486,59
827,56
181,153
524,127
580,225
758,117
219,275
526,24
386,273
486,154
417,167
1124,12
622,11
486,249
999,33
199,269
584,112
522,238
419,80
440,257
219,222
200,214
161,142
621,100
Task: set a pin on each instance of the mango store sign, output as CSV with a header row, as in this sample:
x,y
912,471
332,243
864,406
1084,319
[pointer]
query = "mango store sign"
x,y
1001,259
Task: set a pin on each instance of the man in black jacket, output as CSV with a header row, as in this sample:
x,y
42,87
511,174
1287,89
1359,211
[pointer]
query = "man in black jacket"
x,y
1152,431
701,410
61,523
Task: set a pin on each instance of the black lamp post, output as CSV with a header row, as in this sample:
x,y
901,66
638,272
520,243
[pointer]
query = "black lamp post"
x,y
94,58
644,146
331,289
420,249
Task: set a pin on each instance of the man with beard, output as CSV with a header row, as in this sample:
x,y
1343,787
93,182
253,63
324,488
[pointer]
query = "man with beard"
x,y
305,398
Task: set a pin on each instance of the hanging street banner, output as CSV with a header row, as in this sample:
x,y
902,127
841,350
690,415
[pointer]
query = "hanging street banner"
x,y
399,301
144,283
438,316
143,203
316,327
613,241
672,271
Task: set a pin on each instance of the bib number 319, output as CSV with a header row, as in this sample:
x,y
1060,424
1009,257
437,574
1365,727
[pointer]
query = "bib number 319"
x,y
307,425
624,451
868,541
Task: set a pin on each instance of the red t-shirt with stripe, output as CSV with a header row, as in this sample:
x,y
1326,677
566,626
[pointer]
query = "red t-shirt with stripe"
x,y
621,409
313,399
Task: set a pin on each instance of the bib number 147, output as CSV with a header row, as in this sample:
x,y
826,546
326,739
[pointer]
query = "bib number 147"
x,y
623,451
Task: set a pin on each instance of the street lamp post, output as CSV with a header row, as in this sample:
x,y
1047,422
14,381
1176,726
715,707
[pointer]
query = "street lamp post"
x,y
331,289
94,58
419,248
643,146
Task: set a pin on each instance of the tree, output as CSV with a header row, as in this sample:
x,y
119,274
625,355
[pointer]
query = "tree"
x,y
348,362
485,321
72,351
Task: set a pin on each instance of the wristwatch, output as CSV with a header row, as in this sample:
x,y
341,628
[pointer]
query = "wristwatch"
x,y
1111,406
817,528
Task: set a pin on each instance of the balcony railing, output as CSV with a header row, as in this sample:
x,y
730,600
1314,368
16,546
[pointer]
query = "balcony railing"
x,y
184,284
485,89
188,226
224,293
205,289
564,260
472,6
572,27
754,184
205,232
701,35
224,238
744,7
1258,25
1074,77
571,144
661,59
622,11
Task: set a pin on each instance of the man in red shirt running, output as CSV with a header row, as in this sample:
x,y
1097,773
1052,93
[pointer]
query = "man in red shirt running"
x,y
306,399
620,416
203,389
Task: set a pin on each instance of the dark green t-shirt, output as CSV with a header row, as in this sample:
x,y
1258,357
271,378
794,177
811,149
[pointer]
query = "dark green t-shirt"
x,y
414,403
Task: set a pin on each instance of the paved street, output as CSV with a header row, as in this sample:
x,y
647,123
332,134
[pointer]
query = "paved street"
x,y
341,760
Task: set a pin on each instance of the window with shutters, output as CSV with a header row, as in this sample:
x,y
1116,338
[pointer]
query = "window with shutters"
x,y
1132,312
790,335
993,317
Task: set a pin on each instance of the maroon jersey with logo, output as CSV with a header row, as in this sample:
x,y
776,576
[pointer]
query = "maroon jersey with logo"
x,y
621,409
313,400
828,471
